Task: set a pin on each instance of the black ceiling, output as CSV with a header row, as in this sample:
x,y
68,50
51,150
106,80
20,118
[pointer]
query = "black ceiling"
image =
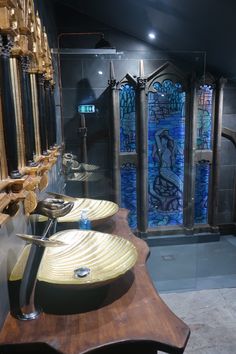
x,y
180,25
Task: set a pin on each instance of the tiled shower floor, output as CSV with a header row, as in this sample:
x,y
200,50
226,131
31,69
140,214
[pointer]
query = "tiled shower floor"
x,y
189,267
198,282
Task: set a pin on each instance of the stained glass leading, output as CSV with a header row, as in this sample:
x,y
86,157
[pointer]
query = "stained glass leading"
x,y
127,118
203,142
128,144
166,137
204,117
201,192
128,191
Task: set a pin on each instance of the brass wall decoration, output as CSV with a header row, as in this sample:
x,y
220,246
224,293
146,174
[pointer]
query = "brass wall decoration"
x,y
30,202
3,161
18,111
43,182
27,112
9,121
27,109
35,114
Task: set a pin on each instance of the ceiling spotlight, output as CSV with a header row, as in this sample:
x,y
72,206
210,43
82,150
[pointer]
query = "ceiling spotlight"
x,y
151,35
100,72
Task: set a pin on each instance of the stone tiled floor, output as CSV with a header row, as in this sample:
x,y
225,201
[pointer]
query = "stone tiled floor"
x,y
198,282
211,316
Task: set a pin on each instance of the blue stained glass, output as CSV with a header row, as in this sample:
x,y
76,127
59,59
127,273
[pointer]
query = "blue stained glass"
x,y
166,138
128,191
204,117
127,119
201,193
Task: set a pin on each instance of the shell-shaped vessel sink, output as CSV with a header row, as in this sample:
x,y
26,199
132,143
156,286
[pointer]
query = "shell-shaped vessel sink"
x,y
88,259
96,210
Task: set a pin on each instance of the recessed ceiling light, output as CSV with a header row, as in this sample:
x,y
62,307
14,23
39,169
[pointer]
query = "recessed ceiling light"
x,y
151,35
100,72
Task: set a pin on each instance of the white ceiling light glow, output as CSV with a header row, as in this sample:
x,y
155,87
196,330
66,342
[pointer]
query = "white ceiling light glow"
x,y
151,35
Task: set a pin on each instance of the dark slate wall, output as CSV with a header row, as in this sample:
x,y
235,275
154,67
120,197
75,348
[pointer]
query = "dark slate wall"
x,y
81,83
10,245
227,178
47,16
46,11
76,68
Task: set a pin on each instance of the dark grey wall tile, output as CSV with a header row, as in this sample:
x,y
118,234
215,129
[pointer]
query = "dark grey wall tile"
x,y
226,199
230,84
224,218
229,121
151,65
228,152
91,70
69,102
71,71
229,103
73,97
122,67
98,154
227,177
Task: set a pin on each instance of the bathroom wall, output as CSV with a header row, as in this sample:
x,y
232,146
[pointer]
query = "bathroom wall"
x,y
80,78
85,78
10,245
227,178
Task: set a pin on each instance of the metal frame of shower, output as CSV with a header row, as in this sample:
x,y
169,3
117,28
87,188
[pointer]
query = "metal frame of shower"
x,y
192,155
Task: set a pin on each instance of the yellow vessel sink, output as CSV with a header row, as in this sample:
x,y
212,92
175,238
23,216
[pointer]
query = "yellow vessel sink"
x,y
76,275
97,210
103,257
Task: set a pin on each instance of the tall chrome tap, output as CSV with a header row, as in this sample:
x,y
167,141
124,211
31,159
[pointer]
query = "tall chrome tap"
x,y
23,306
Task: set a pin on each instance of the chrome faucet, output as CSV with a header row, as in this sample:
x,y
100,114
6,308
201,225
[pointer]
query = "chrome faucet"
x,y
23,307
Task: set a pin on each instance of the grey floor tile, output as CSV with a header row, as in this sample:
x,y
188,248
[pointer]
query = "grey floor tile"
x,y
207,339
216,258
173,262
229,296
216,282
231,239
211,316
197,266
173,285
199,285
200,306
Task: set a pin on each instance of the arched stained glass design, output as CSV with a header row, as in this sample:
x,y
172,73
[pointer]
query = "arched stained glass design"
x,y
127,118
128,144
204,117
201,192
203,142
128,192
166,138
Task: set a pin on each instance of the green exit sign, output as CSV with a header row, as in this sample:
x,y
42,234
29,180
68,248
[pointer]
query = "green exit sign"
x,y
86,108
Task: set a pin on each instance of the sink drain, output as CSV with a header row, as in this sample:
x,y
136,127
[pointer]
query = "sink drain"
x,y
81,272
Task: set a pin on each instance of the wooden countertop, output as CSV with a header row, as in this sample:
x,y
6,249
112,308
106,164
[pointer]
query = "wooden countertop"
x,y
132,314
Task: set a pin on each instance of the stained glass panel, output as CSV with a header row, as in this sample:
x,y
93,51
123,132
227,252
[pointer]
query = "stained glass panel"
x,y
201,192
127,118
204,117
203,142
166,137
128,192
